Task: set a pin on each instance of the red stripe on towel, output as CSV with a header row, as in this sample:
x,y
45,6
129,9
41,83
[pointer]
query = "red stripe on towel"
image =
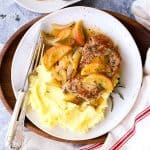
x,y
131,131
126,136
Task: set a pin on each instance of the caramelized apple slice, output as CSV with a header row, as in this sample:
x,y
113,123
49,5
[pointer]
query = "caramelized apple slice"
x,y
63,75
69,97
55,74
54,54
65,37
75,62
57,28
55,32
60,27
101,80
65,33
95,68
78,33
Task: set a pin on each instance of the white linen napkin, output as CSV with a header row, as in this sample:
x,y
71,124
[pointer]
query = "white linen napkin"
x,y
141,11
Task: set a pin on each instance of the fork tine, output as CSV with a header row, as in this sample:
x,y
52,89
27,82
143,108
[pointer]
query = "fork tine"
x,y
34,60
42,51
38,56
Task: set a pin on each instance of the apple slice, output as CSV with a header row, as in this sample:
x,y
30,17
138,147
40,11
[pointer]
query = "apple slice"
x,y
65,37
78,33
65,33
54,54
75,62
95,68
101,80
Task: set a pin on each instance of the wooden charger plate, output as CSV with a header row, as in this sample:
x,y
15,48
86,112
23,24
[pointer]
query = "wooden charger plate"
x,y
140,34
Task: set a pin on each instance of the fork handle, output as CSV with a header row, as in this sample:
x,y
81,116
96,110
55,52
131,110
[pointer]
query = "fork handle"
x,y
12,125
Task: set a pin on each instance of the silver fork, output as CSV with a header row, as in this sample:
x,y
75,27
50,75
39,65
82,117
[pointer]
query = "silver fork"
x,y
14,137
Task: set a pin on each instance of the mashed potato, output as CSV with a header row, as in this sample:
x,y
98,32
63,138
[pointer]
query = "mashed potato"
x,y
48,100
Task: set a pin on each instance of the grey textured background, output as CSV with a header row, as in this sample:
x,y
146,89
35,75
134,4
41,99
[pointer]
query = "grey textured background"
x,y
9,24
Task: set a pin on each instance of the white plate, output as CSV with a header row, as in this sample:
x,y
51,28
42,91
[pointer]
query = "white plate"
x,y
45,6
131,65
